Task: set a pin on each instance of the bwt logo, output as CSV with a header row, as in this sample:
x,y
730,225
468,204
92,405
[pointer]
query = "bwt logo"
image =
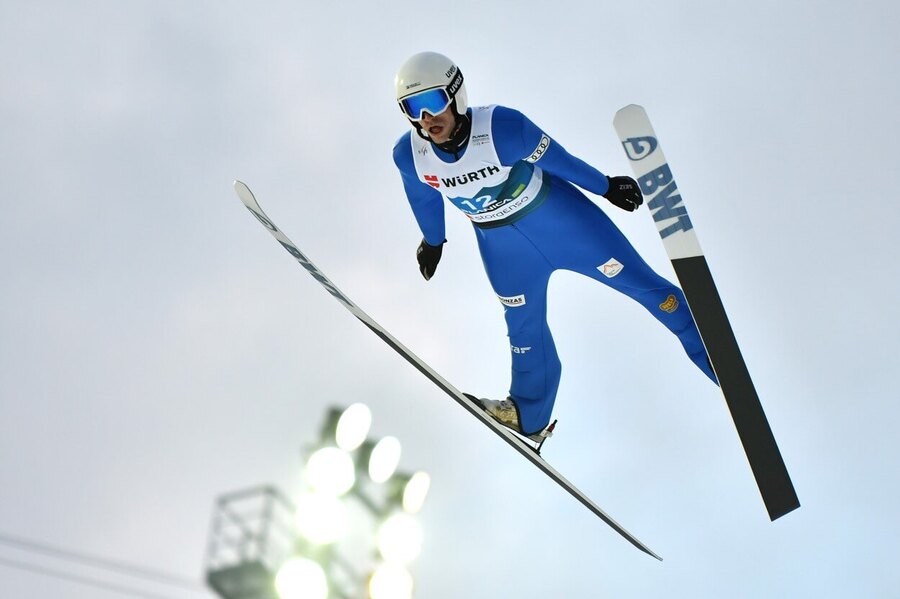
x,y
638,148
666,204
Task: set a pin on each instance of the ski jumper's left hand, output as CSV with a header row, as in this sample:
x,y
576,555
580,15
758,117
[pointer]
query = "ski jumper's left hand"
x,y
625,193
517,138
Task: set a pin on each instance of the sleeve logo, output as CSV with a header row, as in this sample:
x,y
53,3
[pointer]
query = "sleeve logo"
x,y
539,151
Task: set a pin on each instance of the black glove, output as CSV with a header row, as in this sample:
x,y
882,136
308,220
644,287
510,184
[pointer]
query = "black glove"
x,y
625,193
428,257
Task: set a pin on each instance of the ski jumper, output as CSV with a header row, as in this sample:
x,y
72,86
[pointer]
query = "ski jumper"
x,y
516,186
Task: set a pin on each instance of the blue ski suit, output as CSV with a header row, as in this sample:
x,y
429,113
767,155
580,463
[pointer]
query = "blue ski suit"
x,y
516,186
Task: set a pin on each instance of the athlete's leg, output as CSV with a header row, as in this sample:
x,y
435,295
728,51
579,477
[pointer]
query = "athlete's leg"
x,y
519,275
592,245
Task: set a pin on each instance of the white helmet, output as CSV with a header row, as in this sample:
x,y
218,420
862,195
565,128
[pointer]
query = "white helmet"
x,y
430,82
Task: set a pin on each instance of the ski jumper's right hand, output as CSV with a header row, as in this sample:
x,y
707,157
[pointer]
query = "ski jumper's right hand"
x,y
428,257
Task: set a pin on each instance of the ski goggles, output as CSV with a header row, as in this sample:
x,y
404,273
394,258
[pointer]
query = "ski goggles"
x,y
434,101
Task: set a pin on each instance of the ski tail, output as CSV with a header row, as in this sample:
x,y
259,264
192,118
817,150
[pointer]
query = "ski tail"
x,y
676,230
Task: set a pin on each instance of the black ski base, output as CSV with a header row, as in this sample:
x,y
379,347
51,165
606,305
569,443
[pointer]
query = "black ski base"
x,y
762,451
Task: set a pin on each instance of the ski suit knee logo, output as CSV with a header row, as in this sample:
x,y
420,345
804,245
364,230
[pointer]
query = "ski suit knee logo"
x,y
670,305
611,268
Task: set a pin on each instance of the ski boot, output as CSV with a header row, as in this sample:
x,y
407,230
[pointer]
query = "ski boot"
x,y
506,413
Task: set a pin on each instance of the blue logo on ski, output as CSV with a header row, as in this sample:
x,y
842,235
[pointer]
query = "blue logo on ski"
x,y
638,148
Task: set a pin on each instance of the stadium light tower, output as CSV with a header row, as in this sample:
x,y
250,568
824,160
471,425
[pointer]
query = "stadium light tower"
x,y
264,547
252,535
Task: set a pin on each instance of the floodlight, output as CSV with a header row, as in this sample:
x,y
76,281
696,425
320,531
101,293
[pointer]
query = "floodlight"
x,y
330,471
301,578
400,539
384,459
391,581
415,491
321,519
353,426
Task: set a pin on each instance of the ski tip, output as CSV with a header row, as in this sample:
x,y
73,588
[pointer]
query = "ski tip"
x,y
631,108
246,195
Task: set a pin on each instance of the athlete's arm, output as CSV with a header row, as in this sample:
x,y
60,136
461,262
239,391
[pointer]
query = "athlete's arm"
x,y
427,203
517,138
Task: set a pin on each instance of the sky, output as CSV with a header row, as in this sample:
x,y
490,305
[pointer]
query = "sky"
x,y
158,349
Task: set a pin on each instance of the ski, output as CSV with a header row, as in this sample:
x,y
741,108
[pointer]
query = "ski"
x,y
680,240
529,452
